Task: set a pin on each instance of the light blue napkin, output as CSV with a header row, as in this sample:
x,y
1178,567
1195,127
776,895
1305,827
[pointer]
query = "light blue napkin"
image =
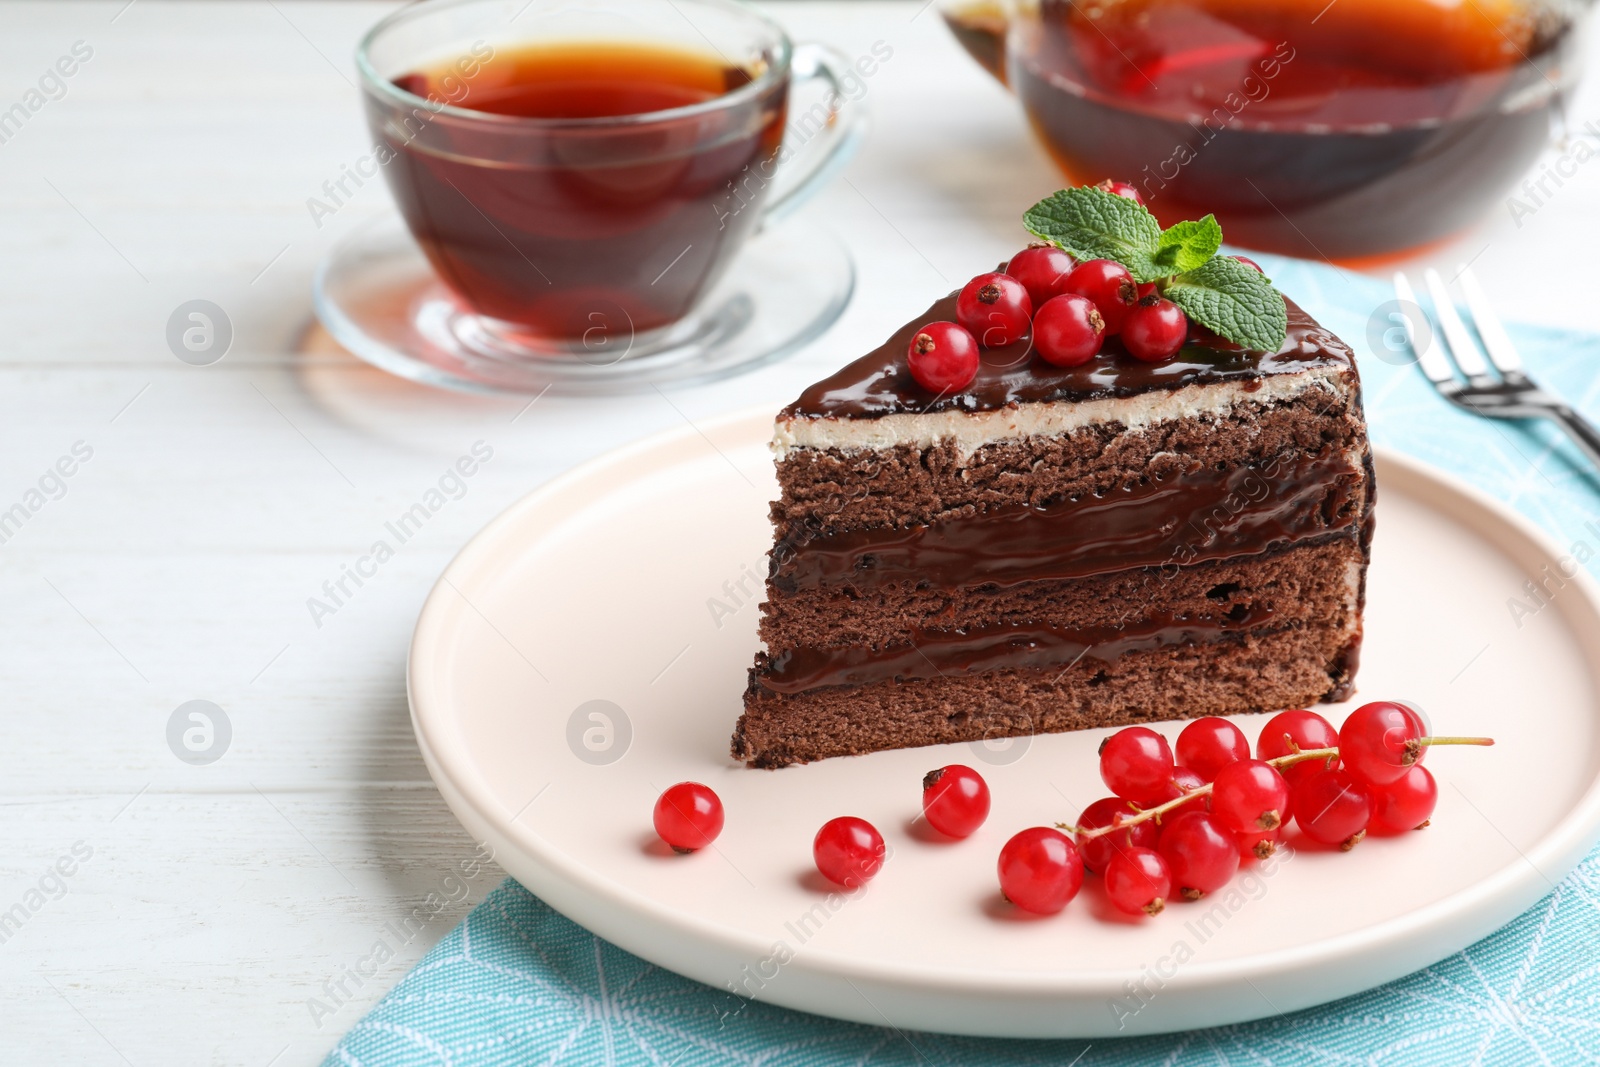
x,y
517,984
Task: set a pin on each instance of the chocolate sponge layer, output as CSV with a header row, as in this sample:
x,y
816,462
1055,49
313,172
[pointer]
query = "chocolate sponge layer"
x,y
828,490
1253,672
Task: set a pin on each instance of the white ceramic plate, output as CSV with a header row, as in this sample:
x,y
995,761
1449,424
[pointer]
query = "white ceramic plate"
x,y
634,582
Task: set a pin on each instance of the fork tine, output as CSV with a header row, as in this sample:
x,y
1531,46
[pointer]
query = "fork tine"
x,y
1502,353
1434,363
1460,342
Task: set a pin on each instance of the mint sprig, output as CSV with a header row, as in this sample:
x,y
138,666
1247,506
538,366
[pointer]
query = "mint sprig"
x,y
1093,224
1234,300
1187,246
1220,293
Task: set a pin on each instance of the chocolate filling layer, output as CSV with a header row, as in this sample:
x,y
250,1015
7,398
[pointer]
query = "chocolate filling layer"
x,y
1302,585
1200,515
938,653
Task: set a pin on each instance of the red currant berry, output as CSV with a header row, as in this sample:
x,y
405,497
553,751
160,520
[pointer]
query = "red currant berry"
x,y
1154,330
1378,742
848,851
1136,764
955,799
1144,289
994,308
1296,731
688,816
943,357
1122,189
1186,781
1139,881
1405,803
1040,870
1068,330
1098,851
1333,808
1042,270
1247,261
1201,854
1207,745
1109,285
1249,796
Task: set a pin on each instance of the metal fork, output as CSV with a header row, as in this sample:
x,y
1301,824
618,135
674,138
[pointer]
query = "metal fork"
x,y
1503,392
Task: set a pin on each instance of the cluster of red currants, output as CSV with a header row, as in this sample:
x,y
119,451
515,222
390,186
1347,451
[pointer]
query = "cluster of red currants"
x,y
1067,306
1176,824
1183,824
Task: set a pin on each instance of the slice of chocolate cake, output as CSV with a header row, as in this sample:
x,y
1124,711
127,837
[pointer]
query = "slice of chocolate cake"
x,y
1054,548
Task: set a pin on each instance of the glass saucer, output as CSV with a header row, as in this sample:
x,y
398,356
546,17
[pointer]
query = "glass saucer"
x,y
378,297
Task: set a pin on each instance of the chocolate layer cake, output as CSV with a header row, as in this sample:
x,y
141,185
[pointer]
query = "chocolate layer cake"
x,y
1058,548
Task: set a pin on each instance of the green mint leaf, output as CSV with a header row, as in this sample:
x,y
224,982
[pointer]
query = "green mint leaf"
x,y
1093,224
1234,300
1186,246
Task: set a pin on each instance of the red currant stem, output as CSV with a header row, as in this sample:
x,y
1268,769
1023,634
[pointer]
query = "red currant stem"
x,y
1278,762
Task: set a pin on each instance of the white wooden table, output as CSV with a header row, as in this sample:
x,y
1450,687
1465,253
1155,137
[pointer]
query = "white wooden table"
x,y
206,905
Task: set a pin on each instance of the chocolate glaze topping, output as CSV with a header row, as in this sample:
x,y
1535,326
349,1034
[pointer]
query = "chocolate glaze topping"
x,y
1198,515
879,383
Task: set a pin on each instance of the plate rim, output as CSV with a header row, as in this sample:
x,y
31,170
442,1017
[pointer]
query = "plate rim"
x,y
1560,849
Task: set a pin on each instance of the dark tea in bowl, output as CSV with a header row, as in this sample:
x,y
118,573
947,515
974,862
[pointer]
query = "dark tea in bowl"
x,y
1329,130
580,178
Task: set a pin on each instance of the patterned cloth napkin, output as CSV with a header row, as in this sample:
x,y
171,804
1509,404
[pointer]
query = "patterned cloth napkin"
x,y
518,984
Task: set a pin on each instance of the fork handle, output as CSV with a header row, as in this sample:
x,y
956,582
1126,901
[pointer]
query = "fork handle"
x,y
1581,430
